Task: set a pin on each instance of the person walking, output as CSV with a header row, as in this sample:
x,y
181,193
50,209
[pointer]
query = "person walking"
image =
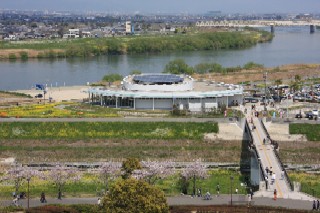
x,y
43,198
318,205
275,194
282,174
314,205
218,190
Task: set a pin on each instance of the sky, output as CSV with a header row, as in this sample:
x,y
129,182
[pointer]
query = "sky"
x,y
167,6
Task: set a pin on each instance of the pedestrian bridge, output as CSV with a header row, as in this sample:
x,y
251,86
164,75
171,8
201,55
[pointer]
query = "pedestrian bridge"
x,y
266,155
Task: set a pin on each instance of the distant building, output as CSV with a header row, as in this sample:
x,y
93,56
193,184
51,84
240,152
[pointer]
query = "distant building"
x,y
128,27
73,33
86,34
166,91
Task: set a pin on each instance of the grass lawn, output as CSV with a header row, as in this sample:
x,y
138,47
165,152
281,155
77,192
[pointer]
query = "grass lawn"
x,y
106,130
310,183
312,131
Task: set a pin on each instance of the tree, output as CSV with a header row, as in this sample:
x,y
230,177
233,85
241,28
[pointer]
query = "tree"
x,y
18,175
135,196
135,72
128,166
60,175
112,77
193,171
178,66
153,170
108,170
278,82
251,65
297,78
296,84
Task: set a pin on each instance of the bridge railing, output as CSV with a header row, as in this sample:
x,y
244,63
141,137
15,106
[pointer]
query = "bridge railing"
x,y
278,157
253,147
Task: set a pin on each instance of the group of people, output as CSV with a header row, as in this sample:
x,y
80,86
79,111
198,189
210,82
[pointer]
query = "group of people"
x,y
316,205
271,174
22,195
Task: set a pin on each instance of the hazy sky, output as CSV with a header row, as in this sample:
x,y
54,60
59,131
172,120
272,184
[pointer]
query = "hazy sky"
x,y
167,6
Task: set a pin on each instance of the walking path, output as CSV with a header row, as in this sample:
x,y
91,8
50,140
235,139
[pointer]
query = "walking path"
x,y
185,200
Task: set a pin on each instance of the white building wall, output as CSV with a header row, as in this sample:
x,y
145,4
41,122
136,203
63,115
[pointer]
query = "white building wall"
x,y
144,103
163,103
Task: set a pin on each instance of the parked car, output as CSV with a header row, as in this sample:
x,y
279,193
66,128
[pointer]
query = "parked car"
x,y
298,116
38,95
309,115
315,113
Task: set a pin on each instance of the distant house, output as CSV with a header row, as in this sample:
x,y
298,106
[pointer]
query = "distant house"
x,y
73,33
11,37
29,35
86,34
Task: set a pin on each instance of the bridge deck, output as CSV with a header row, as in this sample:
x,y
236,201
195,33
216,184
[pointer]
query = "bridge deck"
x,y
269,159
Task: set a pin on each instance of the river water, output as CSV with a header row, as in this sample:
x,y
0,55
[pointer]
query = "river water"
x,y
292,45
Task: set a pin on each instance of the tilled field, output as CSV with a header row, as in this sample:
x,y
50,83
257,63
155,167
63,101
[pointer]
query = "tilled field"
x,y
27,151
299,152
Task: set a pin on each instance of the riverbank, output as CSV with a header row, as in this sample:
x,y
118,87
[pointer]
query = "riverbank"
x,y
285,72
145,44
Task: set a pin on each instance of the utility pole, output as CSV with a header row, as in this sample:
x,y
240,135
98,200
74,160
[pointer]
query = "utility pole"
x,y
231,186
265,91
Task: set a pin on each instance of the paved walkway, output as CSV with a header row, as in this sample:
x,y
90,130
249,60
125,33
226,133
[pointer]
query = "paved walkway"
x,y
187,200
269,159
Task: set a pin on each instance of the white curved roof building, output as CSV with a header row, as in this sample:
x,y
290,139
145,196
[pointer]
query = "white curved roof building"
x,y
164,91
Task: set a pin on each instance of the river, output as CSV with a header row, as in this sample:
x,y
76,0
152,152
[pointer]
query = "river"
x,y
294,45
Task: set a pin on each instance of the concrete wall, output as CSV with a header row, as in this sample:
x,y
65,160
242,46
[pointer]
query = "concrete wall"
x,y
185,86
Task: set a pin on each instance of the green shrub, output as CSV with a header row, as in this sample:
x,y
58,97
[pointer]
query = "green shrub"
x,y
23,55
12,56
251,65
112,77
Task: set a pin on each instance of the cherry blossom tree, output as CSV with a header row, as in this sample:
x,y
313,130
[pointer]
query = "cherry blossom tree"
x,y
193,171
153,170
19,175
109,170
60,175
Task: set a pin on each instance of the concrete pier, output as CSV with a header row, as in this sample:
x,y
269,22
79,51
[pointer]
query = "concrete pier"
x,y
272,28
312,28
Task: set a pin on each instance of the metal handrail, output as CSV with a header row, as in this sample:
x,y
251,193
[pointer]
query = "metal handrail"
x,y
256,152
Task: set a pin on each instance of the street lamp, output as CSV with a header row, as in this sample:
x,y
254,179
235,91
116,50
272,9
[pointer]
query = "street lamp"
x,y
231,181
28,179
